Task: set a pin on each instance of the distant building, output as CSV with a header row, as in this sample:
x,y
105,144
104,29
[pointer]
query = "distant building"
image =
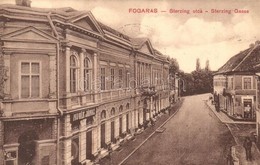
x,y
235,82
70,85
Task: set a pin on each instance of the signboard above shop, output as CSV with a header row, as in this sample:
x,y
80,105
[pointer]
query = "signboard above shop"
x,y
82,114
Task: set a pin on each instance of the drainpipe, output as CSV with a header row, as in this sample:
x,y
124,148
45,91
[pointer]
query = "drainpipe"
x,y
57,87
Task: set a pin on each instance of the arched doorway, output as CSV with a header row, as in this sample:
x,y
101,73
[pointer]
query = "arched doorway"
x,y
26,150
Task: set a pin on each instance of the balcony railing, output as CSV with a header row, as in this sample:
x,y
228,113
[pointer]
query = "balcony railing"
x,y
148,91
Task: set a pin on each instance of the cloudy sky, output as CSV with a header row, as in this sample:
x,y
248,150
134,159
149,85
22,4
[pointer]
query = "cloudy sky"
x,y
186,37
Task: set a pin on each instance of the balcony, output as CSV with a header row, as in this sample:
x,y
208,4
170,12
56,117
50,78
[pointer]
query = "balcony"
x,y
148,91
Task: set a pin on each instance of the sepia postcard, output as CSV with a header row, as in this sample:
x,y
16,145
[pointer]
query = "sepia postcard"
x,y
129,82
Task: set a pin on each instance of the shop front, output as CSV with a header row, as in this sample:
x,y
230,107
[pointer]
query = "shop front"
x,y
82,126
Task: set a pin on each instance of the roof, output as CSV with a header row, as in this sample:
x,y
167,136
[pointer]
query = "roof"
x,y
113,31
245,61
68,14
138,42
65,11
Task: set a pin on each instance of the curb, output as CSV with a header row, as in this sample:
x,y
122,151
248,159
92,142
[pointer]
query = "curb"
x,y
177,110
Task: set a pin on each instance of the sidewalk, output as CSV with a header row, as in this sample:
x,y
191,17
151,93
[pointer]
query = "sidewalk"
x,y
239,130
128,147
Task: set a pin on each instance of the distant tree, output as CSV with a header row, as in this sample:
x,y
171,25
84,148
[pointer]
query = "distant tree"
x,y
174,66
198,64
207,68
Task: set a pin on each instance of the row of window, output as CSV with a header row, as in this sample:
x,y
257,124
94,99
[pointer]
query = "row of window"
x,y
246,83
114,83
146,76
31,77
74,74
113,111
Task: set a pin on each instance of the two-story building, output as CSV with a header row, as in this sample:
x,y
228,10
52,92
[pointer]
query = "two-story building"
x,y
70,85
235,81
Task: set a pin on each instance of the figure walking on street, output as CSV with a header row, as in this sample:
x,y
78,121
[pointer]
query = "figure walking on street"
x,y
248,146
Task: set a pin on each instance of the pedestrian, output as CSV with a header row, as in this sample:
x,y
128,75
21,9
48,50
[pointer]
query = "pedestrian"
x,y
248,146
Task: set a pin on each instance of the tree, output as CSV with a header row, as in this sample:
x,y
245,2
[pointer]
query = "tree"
x,y
198,64
174,66
207,68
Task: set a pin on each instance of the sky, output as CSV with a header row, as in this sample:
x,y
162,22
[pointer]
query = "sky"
x,y
176,29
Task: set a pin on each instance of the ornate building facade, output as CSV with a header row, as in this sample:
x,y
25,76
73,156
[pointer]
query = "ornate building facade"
x,y
71,86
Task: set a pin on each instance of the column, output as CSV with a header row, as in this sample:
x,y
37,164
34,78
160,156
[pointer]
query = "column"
x,y
108,131
7,86
95,78
135,74
67,54
52,74
52,83
151,108
82,141
81,70
95,141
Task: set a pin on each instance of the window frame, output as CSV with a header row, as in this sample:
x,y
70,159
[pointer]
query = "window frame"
x,y
243,82
112,78
76,68
89,70
102,79
30,78
127,79
120,77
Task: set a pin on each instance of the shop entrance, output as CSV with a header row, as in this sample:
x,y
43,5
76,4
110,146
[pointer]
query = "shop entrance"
x,y
120,125
75,151
26,150
127,122
103,137
113,131
247,108
144,115
89,145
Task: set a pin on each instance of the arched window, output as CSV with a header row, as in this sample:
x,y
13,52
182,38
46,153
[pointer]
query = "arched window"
x,y
127,106
103,114
73,73
113,111
87,75
121,108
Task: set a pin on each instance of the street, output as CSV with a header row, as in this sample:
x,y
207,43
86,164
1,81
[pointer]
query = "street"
x,y
194,136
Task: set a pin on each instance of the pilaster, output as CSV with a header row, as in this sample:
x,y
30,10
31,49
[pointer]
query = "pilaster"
x,y
67,55
95,78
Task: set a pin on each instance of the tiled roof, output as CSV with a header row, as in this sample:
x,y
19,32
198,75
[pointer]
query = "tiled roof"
x,y
242,62
138,42
113,31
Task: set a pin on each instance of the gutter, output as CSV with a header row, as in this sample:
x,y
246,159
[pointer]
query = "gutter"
x,y
57,88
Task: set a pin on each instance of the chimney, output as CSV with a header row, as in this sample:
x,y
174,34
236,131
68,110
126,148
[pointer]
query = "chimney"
x,y
26,3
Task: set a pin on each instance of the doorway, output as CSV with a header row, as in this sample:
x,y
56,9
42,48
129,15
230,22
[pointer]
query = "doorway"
x,y
127,123
89,145
120,125
103,135
26,150
112,132
75,151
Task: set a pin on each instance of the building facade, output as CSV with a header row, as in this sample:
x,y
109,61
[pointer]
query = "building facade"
x,y
72,86
235,84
